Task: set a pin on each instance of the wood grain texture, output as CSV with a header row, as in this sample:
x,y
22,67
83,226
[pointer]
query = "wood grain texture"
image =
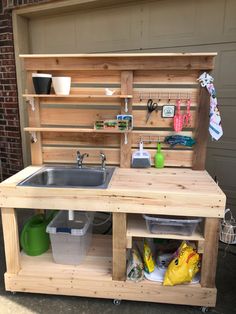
x,y
11,240
173,158
110,289
125,148
209,259
148,191
121,62
201,132
119,246
35,121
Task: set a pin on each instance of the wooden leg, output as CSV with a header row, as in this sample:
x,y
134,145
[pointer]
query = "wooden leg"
x,y
11,240
119,246
209,259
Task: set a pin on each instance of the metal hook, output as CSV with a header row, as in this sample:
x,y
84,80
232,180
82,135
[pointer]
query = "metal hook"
x,y
33,137
126,104
126,139
31,102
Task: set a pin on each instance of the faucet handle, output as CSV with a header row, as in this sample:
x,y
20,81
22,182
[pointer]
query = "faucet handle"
x,y
103,158
84,155
80,158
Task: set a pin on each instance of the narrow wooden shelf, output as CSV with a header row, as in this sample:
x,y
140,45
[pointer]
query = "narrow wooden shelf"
x,y
137,228
81,130
76,96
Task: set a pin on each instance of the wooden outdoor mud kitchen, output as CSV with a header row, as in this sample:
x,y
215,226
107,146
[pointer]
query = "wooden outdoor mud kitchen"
x,y
60,125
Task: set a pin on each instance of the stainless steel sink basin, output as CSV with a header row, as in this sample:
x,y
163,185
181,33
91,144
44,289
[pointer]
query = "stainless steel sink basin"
x,y
70,177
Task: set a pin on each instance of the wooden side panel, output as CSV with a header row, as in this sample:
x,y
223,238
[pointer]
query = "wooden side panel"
x,y
35,121
11,240
209,258
201,132
119,246
125,147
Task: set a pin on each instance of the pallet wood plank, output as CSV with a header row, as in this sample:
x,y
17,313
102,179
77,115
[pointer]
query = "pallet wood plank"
x,y
119,246
11,240
166,77
62,154
121,62
201,132
87,117
209,259
125,147
35,121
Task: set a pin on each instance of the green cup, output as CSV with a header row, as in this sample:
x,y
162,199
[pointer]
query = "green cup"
x,y
34,239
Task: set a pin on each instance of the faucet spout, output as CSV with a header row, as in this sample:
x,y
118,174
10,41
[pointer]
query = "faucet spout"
x,y
103,159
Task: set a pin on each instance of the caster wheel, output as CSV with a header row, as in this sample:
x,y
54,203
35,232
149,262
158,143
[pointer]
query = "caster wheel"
x,y
116,302
204,309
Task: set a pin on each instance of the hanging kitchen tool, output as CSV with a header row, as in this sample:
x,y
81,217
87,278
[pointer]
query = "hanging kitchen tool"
x,y
178,118
188,117
151,106
141,158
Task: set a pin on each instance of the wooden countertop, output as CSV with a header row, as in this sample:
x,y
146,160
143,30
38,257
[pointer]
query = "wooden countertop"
x,y
170,191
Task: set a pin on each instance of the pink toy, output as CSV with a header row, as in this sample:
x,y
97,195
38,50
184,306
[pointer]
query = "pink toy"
x,y
178,118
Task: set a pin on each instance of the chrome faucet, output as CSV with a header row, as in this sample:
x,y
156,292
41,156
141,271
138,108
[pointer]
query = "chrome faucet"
x,y
80,158
103,159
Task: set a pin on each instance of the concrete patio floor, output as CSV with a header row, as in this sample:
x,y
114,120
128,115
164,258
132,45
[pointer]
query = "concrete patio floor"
x,y
24,303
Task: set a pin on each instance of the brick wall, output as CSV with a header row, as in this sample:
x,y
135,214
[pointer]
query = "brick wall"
x,y
10,138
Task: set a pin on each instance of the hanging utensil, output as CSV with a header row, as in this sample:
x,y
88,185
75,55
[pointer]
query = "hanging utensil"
x,y
151,106
188,116
178,118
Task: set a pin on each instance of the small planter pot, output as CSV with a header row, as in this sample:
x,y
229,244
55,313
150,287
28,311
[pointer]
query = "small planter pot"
x,y
61,85
42,83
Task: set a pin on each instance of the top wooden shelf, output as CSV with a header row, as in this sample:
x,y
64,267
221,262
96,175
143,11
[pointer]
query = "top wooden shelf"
x,y
119,61
76,96
115,55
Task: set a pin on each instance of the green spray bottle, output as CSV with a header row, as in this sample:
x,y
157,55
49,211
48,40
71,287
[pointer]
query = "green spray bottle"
x,y
159,158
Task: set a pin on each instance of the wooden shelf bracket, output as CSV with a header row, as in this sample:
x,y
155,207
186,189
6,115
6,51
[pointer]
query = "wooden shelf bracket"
x,y
30,100
33,137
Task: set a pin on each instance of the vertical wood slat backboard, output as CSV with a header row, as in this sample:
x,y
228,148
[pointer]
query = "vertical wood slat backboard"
x,y
162,77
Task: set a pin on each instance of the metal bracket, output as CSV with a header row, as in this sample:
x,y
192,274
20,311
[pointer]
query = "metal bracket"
x,y
126,104
33,137
31,102
126,139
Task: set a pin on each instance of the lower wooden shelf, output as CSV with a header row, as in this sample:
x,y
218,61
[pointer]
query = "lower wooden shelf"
x,y
136,227
93,278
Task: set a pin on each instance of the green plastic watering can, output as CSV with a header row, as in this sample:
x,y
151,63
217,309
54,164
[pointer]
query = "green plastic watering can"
x,y
34,239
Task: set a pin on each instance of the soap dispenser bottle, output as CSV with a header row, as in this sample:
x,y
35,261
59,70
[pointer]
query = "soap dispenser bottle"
x,y
159,158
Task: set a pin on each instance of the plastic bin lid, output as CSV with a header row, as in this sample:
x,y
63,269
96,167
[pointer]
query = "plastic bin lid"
x,y
77,227
163,218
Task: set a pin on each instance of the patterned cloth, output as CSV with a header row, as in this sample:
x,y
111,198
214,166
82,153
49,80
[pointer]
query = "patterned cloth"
x,y
215,127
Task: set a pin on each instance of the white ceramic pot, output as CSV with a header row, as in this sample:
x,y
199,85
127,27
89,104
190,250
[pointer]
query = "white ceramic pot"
x,y
61,85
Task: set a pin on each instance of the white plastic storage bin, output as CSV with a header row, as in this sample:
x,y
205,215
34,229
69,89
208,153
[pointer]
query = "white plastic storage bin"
x,y
70,239
171,224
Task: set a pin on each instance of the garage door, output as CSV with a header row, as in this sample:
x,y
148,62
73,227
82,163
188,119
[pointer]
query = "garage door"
x,y
159,26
